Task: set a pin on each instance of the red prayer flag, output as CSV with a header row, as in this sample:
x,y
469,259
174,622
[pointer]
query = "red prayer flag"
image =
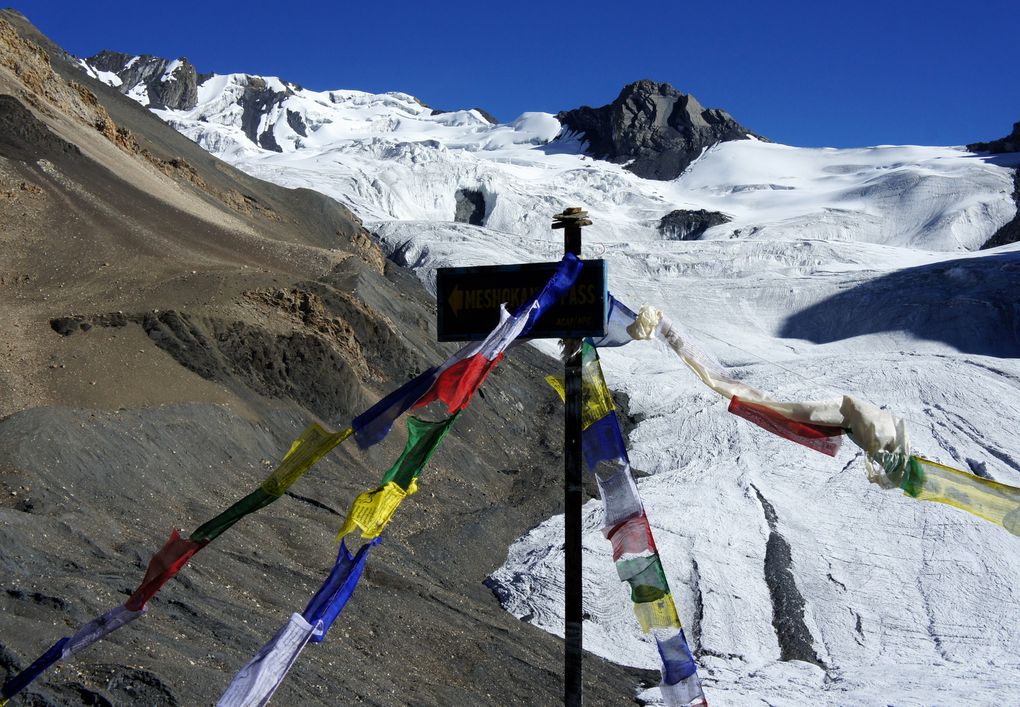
x,y
162,567
631,537
821,438
458,383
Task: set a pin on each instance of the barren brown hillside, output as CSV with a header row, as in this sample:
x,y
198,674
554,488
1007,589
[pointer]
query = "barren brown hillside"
x,y
170,325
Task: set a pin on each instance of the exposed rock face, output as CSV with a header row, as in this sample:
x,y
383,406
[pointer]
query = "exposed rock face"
x,y
257,100
470,207
1010,233
174,85
661,129
1010,143
170,84
683,225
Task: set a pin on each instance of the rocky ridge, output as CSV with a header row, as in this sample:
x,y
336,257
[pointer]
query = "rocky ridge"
x,y
653,128
1010,232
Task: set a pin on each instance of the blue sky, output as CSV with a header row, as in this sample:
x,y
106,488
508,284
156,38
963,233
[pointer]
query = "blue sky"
x,y
802,73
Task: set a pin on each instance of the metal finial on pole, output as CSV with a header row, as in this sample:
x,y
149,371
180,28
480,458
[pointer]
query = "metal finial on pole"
x,y
571,221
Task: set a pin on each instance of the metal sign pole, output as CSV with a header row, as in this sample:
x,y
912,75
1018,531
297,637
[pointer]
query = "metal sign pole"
x,y
571,221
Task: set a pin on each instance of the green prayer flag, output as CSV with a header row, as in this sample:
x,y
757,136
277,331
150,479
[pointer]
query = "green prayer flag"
x,y
646,578
212,529
423,437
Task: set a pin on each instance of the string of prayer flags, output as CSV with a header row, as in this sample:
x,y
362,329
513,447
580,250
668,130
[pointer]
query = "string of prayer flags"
x,y
462,374
817,425
256,682
308,449
627,529
871,429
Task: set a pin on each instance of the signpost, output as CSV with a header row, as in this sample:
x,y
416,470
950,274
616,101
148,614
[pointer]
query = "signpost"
x,y
468,302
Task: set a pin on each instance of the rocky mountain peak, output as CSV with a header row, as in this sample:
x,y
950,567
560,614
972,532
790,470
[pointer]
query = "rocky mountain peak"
x,y
654,127
167,84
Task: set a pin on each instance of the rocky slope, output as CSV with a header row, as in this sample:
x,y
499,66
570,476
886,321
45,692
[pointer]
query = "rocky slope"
x,y
173,325
653,128
1009,232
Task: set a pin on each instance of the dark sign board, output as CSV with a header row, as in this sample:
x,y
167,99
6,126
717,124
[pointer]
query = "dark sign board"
x,y
468,300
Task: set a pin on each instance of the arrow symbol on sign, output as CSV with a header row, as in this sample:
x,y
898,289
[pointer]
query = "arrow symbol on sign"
x,y
456,300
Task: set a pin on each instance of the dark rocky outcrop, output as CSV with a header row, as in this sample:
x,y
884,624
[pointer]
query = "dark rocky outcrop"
x,y
470,207
176,89
654,127
795,641
1010,143
684,225
1010,232
258,98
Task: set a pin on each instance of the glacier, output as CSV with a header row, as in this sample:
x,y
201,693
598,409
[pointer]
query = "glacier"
x,y
852,271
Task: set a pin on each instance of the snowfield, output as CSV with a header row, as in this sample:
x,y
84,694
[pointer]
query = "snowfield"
x,y
841,271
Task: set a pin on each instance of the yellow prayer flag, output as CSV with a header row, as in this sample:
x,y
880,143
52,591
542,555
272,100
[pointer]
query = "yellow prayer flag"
x,y
660,613
313,444
372,510
985,498
596,400
556,383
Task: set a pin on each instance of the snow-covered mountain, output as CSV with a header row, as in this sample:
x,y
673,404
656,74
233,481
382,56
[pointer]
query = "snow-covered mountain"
x,y
809,272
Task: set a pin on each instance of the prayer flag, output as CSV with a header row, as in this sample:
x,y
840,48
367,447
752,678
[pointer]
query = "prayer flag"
x,y
371,426
213,528
620,498
99,628
660,613
423,438
335,592
620,317
931,481
631,537
821,438
677,659
256,682
162,567
603,441
313,444
372,510
646,578
22,680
